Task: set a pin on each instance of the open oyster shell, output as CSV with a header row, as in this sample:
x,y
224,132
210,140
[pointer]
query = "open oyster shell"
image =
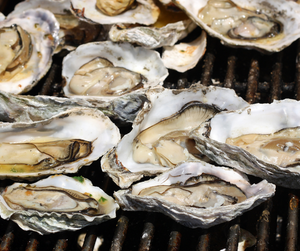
x,y
73,31
143,12
59,144
275,158
167,117
192,215
56,204
43,30
138,60
267,26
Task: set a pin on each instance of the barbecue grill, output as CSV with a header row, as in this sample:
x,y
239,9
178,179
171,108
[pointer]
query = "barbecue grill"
x,y
254,76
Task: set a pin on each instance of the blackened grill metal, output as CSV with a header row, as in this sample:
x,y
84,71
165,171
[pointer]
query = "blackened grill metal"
x,y
254,76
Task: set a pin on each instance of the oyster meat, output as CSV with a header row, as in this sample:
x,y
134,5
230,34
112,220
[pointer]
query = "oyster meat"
x,y
27,43
266,26
107,70
261,140
159,139
56,204
196,194
59,144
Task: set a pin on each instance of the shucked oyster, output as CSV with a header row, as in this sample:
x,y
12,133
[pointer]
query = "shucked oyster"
x,y
196,194
99,11
269,26
261,140
55,204
107,70
159,139
27,42
59,144
73,31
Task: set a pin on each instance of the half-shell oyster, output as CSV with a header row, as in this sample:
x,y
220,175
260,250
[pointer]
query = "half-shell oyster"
x,y
196,194
55,204
59,144
261,140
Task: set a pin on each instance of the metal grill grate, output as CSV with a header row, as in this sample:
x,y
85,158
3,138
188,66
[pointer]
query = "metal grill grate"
x,y
255,77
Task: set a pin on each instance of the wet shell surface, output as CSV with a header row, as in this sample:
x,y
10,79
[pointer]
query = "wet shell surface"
x,y
196,209
56,204
261,140
200,103
137,60
43,29
59,144
266,26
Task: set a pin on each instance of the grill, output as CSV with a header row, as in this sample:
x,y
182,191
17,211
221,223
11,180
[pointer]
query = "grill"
x,y
254,76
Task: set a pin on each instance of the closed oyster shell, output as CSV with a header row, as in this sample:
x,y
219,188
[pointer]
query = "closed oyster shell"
x,y
164,103
43,29
257,119
46,222
42,143
284,13
191,216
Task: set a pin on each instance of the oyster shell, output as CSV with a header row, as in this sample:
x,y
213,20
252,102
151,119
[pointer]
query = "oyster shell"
x,y
27,109
59,144
73,31
205,208
267,26
164,123
166,31
144,12
184,56
56,204
98,60
41,33
274,159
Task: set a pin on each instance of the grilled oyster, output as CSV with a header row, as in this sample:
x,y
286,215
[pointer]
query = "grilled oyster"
x,y
261,140
28,41
59,144
163,124
106,70
267,26
196,194
55,204
73,31
144,12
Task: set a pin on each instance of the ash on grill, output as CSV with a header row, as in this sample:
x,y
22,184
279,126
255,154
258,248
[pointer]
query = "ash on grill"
x,y
255,77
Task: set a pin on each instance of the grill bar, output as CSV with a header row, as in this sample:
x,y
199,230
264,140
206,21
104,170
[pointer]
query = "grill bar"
x,y
120,234
253,79
292,225
204,243
233,239
33,242
174,241
147,237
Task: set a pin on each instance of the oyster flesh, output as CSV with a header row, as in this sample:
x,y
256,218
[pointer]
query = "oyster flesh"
x,y
263,25
27,43
107,70
59,144
261,140
56,204
159,139
196,194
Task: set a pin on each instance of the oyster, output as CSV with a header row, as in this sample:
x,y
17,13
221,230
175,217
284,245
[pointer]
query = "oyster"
x,y
184,56
196,194
107,70
261,140
159,138
28,41
73,31
55,204
267,26
59,144
27,109
143,12
166,31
